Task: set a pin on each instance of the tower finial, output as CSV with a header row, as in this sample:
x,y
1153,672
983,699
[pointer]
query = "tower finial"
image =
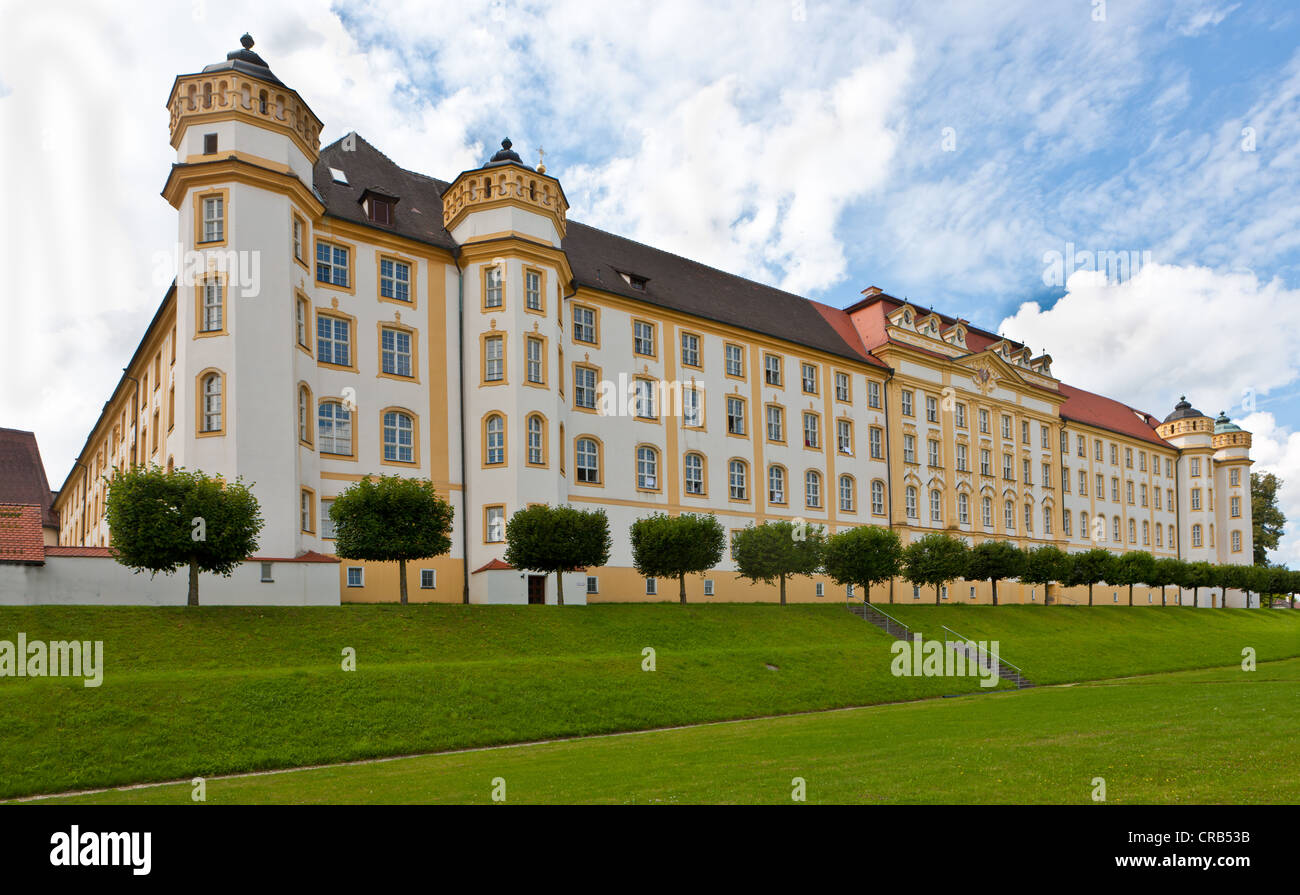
x,y
541,160
246,41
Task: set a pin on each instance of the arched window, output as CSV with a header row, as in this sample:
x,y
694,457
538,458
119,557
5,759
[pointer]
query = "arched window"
x,y
1029,518
1160,535
936,505
304,414
213,404
1009,514
694,471
494,440
1196,535
909,499
812,483
1114,530
986,512
586,455
1047,520
1083,525
399,437
963,508
878,497
846,493
736,480
1146,533
776,484
647,468
1132,531
536,440
334,429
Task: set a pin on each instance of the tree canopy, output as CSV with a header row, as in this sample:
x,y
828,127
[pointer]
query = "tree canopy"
x,y
774,551
935,560
559,539
994,560
666,546
863,556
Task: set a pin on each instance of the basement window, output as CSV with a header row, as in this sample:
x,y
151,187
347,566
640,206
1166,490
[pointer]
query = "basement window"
x,y
593,584
820,589
651,586
428,579
356,576
708,587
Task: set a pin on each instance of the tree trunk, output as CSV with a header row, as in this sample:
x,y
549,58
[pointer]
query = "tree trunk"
x,y
1130,595
682,589
193,599
559,588
866,594
1163,590
1196,598
401,577
782,590
995,591
936,594
1089,594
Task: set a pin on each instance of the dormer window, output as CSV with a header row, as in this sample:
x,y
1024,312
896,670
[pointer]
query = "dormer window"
x,y
907,317
379,210
633,280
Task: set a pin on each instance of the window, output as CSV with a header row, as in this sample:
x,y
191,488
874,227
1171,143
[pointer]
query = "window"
x,y
873,395
536,440
708,587
1234,507
775,423
819,589
1115,529
909,499
1008,471
304,414
963,459
736,479
808,378
812,486
1101,487
587,461
810,429
428,579
494,362
533,290
844,436
878,498
647,469
1066,524
593,584
690,350
645,399
1155,492
776,484
1196,535
399,437
326,523
333,340
493,287
691,415
735,415
984,422
306,510
266,572
209,144
1169,470
334,429
1083,483
299,237
494,524
1044,437
1128,492
1081,446
1047,474
1096,449
963,508
986,462
1194,466
214,219
1114,454
302,315
933,452
379,210
584,387
772,369
1236,542
931,409
841,386
1065,442
214,302
651,586
1009,514
735,360
694,473
394,279
906,397
494,440
961,416
909,448
536,360
846,493
936,505
1234,477
1006,427
1196,498
356,576
875,437
584,325
643,338
332,264
1024,431
1159,535
1026,467
1029,517
395,351
213,403
986,512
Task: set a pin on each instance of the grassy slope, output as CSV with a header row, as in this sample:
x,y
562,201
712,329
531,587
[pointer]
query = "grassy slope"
x,y
222,690
1069,643
1191,737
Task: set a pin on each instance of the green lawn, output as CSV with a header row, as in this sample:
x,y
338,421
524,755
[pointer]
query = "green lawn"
x,y
219,690
1214,736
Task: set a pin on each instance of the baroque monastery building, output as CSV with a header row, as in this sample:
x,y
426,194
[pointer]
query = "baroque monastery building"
x,y
344,317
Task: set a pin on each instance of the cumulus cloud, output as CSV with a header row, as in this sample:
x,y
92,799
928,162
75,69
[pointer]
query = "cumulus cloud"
x,y
1276,449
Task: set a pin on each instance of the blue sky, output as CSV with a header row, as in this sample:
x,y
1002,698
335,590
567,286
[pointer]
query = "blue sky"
x,y
796,142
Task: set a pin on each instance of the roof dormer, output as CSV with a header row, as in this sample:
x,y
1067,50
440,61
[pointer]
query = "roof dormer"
x,y
955,335
903,316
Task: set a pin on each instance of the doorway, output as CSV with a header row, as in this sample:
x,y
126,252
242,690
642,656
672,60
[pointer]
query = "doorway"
x,y
536,590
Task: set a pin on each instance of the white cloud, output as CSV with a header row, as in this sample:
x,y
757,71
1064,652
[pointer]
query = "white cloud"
x,y
1276,449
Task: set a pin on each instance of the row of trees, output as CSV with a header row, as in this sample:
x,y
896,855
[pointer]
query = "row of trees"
x,y
163,521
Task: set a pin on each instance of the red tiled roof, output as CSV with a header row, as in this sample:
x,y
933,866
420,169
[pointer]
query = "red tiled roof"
x,y
107,552
21,538
306,556
22,475
494,565
1105,413
79,551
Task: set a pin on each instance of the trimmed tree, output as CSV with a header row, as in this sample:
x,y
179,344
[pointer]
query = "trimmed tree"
x,y
993,561
774,551
676,546
161,521
1044,565
1196,575
863,556
559,539
1165,572
391,519
935,559
1090,567
1133,567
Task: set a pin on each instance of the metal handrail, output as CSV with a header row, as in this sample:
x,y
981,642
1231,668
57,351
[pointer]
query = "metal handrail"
x,y
872,606
998,659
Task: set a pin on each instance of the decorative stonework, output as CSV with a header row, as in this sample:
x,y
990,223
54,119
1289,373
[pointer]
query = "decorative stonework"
x,y
227,94
508,184
1232,439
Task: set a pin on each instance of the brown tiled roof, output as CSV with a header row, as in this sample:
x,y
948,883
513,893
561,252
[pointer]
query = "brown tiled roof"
x,y
494,565
1107,413
21,539
22,475
597,257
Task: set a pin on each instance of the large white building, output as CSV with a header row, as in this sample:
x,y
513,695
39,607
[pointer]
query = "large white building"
x,y
337,316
